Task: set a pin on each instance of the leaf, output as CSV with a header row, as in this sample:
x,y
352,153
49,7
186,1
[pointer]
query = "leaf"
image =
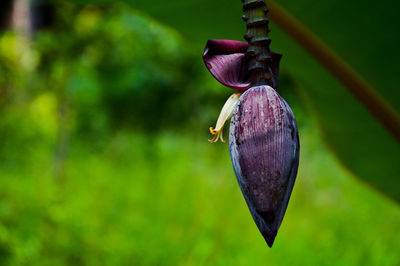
x,y
364,35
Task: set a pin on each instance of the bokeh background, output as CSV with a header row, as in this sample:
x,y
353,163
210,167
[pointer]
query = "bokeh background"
x,y
104,114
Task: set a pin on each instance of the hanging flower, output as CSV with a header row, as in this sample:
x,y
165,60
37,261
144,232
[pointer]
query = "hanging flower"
x,y
263,139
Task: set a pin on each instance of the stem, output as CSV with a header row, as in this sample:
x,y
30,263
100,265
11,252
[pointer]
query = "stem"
x,y
257,55
360,88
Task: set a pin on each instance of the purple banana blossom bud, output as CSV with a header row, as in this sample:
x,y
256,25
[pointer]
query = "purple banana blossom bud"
x,y
263,139
264,148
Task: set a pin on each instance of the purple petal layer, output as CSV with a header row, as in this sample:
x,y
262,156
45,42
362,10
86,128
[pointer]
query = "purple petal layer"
x,y
226,62
264,148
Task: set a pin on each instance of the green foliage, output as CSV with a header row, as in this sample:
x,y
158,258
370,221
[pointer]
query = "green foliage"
x,y
173,200
112,67
112,77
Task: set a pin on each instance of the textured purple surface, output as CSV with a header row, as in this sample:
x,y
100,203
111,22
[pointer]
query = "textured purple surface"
x,y
225,60
264,148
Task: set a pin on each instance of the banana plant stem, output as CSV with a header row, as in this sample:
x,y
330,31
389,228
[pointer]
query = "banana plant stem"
x,y
258,54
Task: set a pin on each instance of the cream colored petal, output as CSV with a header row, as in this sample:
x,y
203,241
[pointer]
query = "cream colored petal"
x,y
225,114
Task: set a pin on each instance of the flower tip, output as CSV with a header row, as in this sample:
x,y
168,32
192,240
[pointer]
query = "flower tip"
x,y
217,135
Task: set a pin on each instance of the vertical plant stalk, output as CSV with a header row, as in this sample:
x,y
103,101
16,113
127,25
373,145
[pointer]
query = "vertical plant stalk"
x,y
258,53
21,17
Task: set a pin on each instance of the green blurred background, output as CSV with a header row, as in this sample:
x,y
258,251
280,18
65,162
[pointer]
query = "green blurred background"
x,y
104,159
